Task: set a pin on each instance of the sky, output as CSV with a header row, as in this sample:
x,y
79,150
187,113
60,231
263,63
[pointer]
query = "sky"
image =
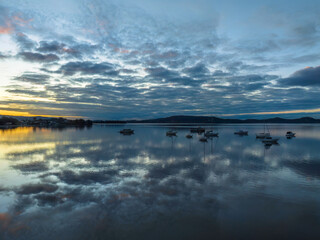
x,y
146,59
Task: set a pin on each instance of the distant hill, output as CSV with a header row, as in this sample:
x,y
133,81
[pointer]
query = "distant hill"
x,y
207,119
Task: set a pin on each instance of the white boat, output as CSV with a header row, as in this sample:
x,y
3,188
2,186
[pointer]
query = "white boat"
x,y
127,131
270,140
211,134
290,134
189,136
171,133
241,132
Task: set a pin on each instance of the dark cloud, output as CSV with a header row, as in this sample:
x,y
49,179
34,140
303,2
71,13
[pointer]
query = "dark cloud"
x,y
36,188
53,46
251,79
161,72
49,199
127,71
2,56
37,57
24,42
219,73
74,49
185,81
86,68
197,71
32,167
309,76
165,75
27,91
33,78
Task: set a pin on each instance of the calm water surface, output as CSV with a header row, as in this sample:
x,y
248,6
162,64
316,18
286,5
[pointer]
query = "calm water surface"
x,y
97,184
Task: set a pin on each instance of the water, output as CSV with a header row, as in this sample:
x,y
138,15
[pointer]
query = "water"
x,y
97,184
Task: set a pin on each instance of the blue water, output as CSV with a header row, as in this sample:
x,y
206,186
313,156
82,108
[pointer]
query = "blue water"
x,y
95,183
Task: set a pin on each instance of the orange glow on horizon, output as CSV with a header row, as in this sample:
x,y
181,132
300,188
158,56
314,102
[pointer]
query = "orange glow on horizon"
x,y
280,112
27,114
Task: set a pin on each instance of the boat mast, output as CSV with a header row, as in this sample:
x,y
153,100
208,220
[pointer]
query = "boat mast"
x,y
268,129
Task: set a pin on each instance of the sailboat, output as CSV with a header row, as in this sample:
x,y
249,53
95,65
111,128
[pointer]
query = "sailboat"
x,y
266,137
264,134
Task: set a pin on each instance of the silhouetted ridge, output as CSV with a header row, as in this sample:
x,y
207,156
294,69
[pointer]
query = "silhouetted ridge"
x,y
207,119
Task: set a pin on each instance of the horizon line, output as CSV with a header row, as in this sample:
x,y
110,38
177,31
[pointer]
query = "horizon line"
x,y
27,114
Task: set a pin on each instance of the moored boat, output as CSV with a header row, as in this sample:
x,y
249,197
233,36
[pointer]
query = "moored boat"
x,y
241,133
211,134
262,135
127,131
171,133
189,136
290,134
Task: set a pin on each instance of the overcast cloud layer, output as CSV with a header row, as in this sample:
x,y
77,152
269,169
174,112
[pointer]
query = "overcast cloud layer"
x,y
122,60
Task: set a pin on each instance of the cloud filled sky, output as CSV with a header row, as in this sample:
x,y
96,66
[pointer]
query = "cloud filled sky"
x,y
146,58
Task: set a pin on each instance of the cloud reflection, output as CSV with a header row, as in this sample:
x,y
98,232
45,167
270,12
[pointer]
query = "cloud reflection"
x,y
106,184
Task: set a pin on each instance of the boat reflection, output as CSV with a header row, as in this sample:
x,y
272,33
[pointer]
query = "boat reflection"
x,y
268,145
